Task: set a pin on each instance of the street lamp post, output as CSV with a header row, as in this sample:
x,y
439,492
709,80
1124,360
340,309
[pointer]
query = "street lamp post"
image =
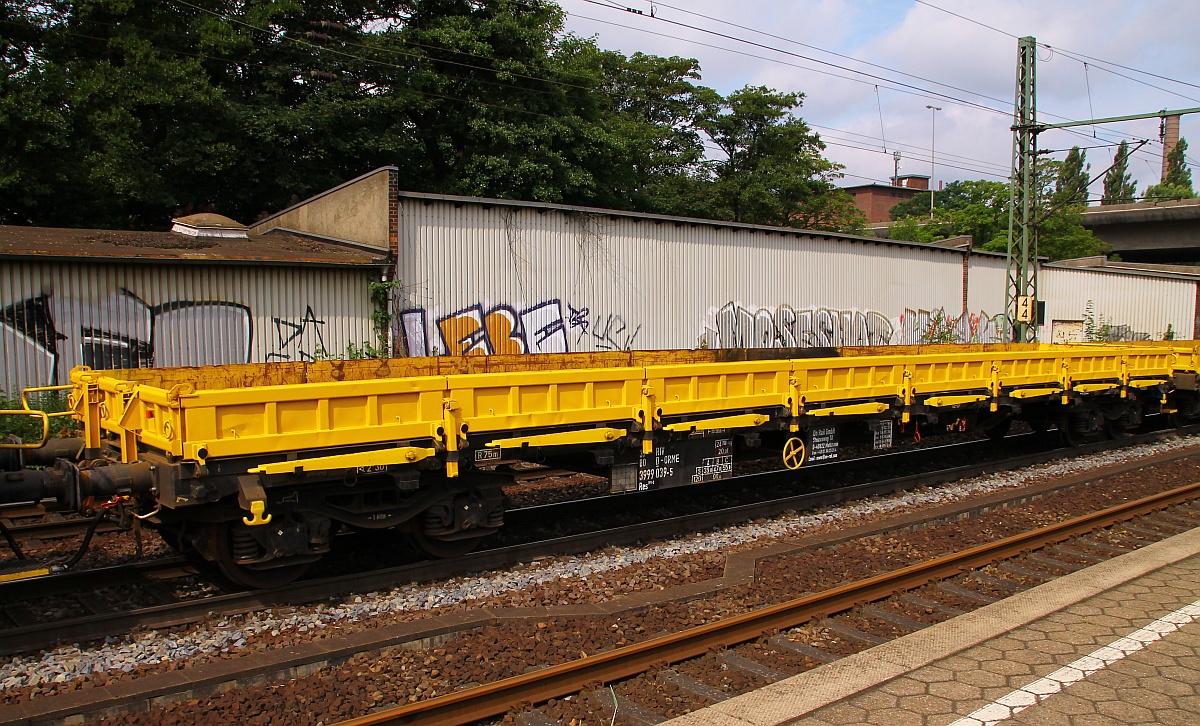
x,y
932,147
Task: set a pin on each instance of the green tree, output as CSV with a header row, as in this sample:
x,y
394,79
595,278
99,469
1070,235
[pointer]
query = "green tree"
x,y
1071,187
122,113
919,229
969,207
1177,184
772,170
647,108
1159,192
1177,170
980,209
1118,185
1059,233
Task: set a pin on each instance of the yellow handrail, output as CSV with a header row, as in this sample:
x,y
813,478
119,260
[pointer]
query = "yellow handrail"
x,y
39,389
29,412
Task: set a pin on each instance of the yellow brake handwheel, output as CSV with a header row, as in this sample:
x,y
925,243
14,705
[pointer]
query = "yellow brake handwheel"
x,y
794,453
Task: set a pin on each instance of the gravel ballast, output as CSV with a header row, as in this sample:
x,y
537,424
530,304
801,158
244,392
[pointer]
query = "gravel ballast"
x,y
570,580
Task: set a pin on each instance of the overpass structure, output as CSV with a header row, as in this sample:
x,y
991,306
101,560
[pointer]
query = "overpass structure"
x,y
1159,232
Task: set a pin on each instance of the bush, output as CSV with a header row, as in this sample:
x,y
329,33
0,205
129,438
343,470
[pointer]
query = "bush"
x,y
29,428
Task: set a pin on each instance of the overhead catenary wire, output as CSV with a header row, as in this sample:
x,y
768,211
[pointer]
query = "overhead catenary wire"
x,y
613,5
765,33
823,50
444,96
596,2
1080,58
323,48
779,61
918,147
882,128
1006,102
951,166
1091,111
1129,68
382,63
619,7
318,47
1131,78
857,146
873,77
1083,58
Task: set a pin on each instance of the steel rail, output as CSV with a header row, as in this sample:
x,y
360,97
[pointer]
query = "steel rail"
x,y
59,529
496,698
74,581
94,627
20,509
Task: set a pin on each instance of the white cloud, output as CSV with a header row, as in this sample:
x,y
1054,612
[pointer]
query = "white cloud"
x,y
1155,35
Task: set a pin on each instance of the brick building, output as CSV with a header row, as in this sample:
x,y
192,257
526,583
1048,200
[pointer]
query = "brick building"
x,y
877,200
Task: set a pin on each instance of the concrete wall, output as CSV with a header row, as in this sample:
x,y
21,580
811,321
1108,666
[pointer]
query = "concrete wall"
x,y
356,211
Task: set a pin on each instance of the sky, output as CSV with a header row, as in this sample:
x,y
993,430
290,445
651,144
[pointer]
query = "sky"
x,y
867,112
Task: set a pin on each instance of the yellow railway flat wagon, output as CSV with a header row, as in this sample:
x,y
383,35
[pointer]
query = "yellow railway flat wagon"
x,y
213,455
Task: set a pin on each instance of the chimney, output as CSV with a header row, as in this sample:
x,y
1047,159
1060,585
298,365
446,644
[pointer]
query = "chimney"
x,y
1170,138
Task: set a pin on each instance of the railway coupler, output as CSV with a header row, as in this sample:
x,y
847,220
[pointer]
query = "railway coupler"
x,y
14,456
75,487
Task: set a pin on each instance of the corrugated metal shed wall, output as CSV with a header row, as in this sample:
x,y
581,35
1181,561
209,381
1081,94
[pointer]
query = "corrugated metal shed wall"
x,y
986,281
57,315
494,278
1137,307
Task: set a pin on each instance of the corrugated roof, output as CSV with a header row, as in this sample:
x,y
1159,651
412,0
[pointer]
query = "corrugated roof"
x,y
273,248
613,213
678,221
1099,263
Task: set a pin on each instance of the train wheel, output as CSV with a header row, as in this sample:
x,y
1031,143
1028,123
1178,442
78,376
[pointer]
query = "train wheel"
x,y
1116,428
1072,429
172,535
999,431
446,549
226,540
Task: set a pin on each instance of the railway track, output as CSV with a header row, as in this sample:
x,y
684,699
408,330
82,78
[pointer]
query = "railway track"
x,y
160,607
580,675
27,521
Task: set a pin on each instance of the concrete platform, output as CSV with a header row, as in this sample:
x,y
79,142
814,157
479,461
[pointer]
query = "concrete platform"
x,y
1116,643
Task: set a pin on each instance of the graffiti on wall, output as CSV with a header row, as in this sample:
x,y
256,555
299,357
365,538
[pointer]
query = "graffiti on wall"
x,y
1079,331
1126,334
53,333
483,329
737,326
300,339
914,327
734,325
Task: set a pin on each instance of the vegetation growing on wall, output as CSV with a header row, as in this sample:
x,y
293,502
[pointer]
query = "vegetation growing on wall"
x,y
1096,328
29,428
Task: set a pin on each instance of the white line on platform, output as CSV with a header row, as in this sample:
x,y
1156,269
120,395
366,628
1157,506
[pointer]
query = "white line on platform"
x,y
1011,704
